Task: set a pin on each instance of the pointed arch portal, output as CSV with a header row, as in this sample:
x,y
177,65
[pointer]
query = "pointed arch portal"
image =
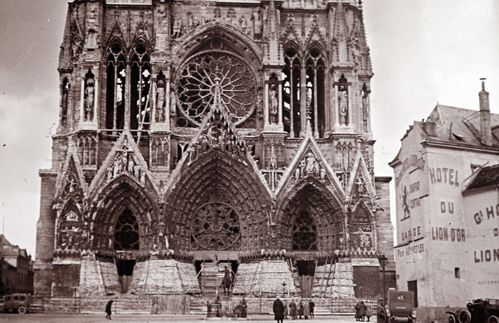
x,y
310,219
218,204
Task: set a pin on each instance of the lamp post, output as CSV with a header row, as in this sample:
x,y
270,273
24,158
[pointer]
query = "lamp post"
x,y
382,259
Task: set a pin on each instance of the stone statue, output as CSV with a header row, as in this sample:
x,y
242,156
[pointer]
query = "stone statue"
x,y
365,105
190,21
64,102
177,27
310,166
160,102
273,105
88,114
131,164
343,105
243,24
257,23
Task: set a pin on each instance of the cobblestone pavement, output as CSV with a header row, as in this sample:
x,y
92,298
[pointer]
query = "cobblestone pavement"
x,y
93,318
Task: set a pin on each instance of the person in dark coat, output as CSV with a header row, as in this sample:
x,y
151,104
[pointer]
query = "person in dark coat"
x,y
300,308
109,309
357,311
292,309
312,306
278,310
363,311
382,316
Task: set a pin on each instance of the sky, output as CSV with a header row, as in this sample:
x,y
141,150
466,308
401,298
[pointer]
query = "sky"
x,y
422,51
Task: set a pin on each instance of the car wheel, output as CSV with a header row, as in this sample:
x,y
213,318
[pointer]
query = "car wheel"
x,y
452,319
22,310
465,316
493,319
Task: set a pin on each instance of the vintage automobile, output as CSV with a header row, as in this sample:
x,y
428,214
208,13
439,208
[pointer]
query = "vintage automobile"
x,y
478,311
400,307
19,303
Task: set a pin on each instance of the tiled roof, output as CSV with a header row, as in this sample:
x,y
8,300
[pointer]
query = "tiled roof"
x,y
487,176
457,125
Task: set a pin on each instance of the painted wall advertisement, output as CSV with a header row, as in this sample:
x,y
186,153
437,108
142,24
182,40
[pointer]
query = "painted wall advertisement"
x,y
482,219
411,186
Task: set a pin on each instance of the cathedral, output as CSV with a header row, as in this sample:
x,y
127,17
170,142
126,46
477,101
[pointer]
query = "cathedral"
x,y
201,138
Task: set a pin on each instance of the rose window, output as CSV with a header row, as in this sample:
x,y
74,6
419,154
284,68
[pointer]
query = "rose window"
x,y
197,81
215,226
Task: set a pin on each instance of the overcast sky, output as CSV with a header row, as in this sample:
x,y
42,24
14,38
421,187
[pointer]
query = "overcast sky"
x,y
423,52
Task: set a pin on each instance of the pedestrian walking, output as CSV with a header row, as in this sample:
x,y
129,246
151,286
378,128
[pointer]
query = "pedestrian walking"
x,y
382,316
278,310
363,311
300,308
306,309
109,306
312,307
292,309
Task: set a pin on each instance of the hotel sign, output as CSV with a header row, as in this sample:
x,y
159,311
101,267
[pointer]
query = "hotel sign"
x,y
130,2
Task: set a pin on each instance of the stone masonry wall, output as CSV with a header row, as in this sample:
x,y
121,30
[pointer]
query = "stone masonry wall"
x,y
45,236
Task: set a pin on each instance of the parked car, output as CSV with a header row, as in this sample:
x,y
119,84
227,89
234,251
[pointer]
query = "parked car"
x,y
400,307
19,303
478,311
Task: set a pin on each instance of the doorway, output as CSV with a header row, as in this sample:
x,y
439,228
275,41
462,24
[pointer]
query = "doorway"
x,y
412,286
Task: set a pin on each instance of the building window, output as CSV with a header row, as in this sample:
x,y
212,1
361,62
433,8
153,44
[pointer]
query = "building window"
x,y
315,90
291,93
115,93
457,272
64,101
140,87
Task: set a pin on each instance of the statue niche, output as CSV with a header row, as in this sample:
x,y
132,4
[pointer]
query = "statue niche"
x,y
160,98
273,101
343,101
89,97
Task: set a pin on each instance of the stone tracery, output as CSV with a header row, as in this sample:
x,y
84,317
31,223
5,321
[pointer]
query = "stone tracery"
x,y
197,80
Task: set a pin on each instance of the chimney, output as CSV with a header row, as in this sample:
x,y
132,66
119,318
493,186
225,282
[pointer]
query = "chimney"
x,y
485,129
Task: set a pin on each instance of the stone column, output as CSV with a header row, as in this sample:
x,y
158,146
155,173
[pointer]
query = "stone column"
x,y
266,105
128,90
279,122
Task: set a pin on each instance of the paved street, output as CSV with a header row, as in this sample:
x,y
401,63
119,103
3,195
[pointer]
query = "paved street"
x,y
91,318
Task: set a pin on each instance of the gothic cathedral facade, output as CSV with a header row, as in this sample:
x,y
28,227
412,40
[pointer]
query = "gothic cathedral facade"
x,y
195,134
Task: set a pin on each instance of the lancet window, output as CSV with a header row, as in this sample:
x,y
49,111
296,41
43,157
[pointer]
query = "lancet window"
x,y
291,93
116,81
128,97
64,101
315,71
141,86
304,90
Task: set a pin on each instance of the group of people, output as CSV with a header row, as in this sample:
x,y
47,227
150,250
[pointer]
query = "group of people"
x,y
298,309
362,312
